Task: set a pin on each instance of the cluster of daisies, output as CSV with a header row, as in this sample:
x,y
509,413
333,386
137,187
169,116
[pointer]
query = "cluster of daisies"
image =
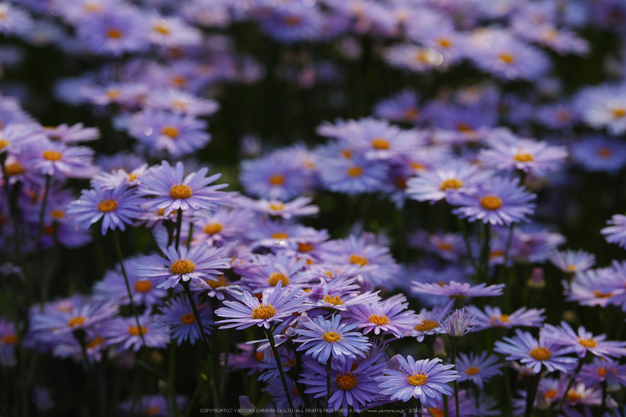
x,y
322,321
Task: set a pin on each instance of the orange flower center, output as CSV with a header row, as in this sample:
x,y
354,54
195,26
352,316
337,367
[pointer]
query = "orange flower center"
x,y
574,396
524,157
170,131
14,169
114,34
52,155
275,277
211,229
333,299
497,321
605,152
57,214
97,341
280,236
277,180
222,281
426,325
436,412
76,321
451,183
417,379
550,394
277,206
107,206
180,191
619,112
188,318
153,410
411,113
3,143
588,343
507,58
143,286
10,339
380,143
331,337
491,202
292,20
134,330
182,266
355,171
305,247
540,353
358,260
264,311
378,320
472,370
346,381
599,294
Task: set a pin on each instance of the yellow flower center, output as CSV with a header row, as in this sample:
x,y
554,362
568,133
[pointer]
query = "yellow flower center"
x,y
574,396
143,286
277,206
380,143
162,28
507,58
571,267
275,277
472,370
426,325
435,412
107,206
188,318
588,343
331,337
57,214
153,410
280,236
76,321
292,20
305,247
378,320
464,127
497,321
333,299
599,294
411,113
451,183
619,112
346,381
550,394
358,260
170,131
211,229
222,281
180,191
10,339
540,353
444,42
355,171
605,152
182,266
346,153
277,180
524,157
417,379
491,202
264,311
14,169
52,155
97,341
134,330
3,143
114,34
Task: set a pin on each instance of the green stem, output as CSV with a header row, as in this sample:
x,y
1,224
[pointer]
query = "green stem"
x,y
195,311
270,337
468,247
531,394
118,250
454,341
171,373
12,200
507,249
179,225
328,364
42,213
485,251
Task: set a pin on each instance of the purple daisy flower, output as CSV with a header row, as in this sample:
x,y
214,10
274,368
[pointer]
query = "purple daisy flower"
x,y
456,290
58,159
177,133
276,305
126,332
584,290
388,316
179,101
353,383
604,107
72,134
536,354
571,261
178,317
616,231
402,107
170,192
295,208
597,153
322,338
500,201
477,368
439,183
115,32
493,317
425,380
603,370
292,22
196,263
273,177
115,206
352,175
113,287
583,341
